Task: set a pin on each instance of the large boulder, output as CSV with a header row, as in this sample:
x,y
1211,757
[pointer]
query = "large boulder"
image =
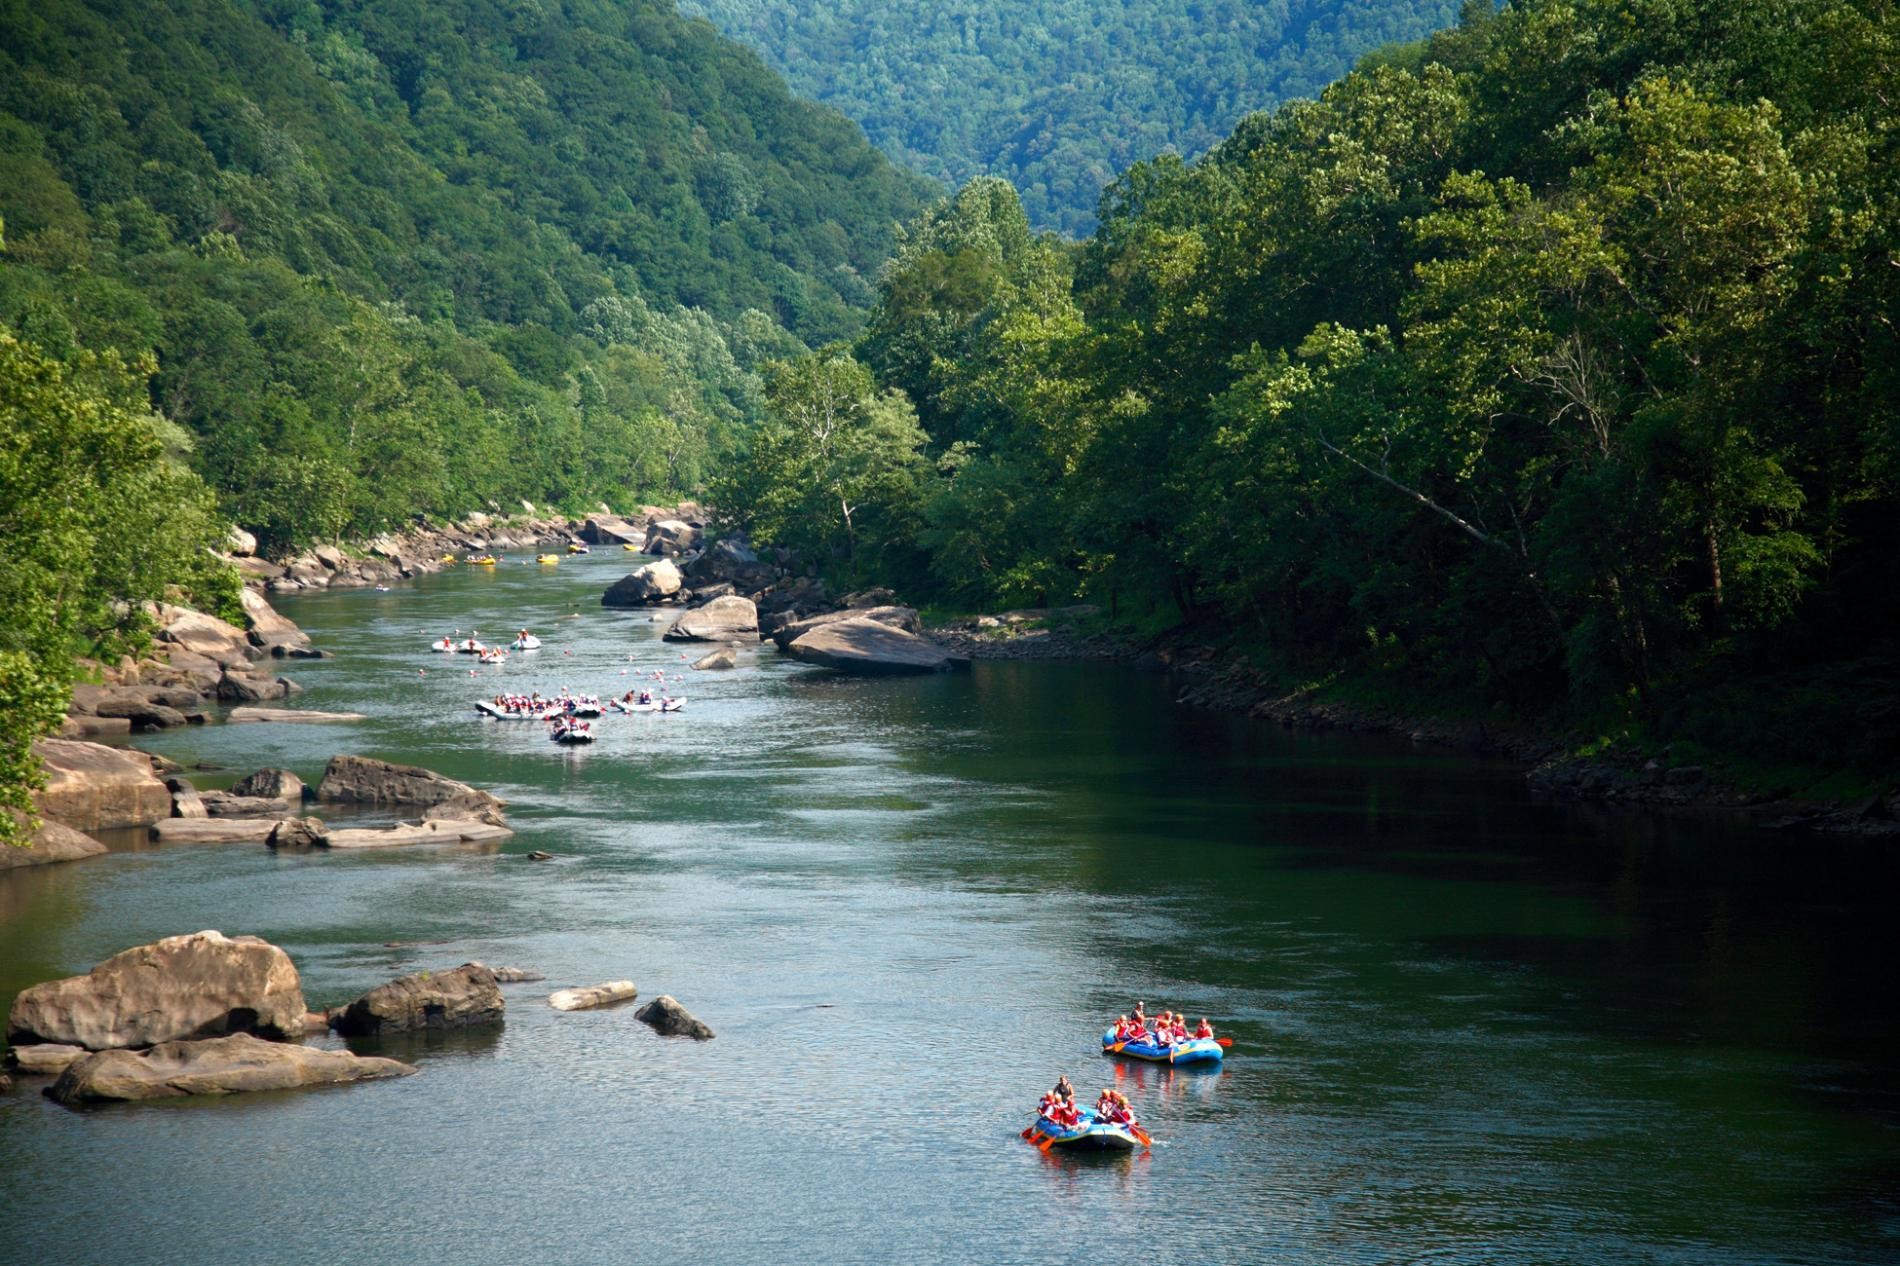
x,y
867,647
731,561
218,1066
724,657
728,619
202,985
246,687
267,628
186,802
671,537
272,784
609,529
364,780
143,707
94,788
669,1019
655,582
239,542
204,635
453,999
904,618
50,843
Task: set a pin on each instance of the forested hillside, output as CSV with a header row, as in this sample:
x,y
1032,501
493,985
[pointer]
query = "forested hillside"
x,y
1060,96
413,256
1547,368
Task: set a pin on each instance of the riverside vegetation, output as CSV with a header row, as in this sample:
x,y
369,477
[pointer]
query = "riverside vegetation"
x,y
1544,369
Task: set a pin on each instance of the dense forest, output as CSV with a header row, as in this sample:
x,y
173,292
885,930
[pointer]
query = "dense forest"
x,y
1546,368
417,256
1060,96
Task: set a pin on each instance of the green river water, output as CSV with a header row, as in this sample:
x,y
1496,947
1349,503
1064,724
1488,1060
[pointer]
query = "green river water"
x,y
1468,1028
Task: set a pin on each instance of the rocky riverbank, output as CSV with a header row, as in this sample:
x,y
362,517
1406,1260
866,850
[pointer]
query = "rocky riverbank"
x,y
1222,681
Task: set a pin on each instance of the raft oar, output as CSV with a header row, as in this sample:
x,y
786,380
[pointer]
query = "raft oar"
x,y
1225,1041
1141,1136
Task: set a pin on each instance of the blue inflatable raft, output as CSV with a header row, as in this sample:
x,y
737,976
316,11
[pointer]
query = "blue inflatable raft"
x,y
1089,1136
1202,1050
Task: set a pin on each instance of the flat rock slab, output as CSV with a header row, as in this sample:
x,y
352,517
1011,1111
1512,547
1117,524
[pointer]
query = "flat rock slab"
x,y
453,999
583,997
291,716
47,1059
669,1019
214,830
867,647
204,984
219,1066
51,843
434,831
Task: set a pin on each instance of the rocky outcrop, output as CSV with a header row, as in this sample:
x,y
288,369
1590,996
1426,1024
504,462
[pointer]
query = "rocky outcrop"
x,y
365,780
669,1019
52,842
610,529
272,784
869,648
296,833
584,997
644,586
142,707
239,542
219,1066
729,619
205,635
731,561
94,788
453,999
671,537
186,802
222,804
724,657
268,629
183,987
905,618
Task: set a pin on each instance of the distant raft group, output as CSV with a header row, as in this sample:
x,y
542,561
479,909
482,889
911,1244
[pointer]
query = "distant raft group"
x,y
1111,1125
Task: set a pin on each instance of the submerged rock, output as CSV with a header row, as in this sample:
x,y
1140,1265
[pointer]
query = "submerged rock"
x,y
183,987
670,1019
218,1066
724,657
453,999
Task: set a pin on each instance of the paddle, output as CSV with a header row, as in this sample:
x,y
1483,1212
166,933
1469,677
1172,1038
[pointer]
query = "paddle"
x,y
1141,1135
1225,1041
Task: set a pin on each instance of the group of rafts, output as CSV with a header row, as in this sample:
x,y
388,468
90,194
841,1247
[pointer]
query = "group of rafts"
x,y
1111,1124
568,716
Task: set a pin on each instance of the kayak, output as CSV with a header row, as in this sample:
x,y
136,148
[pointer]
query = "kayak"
x,y
1089,1136
1195,1051
526,642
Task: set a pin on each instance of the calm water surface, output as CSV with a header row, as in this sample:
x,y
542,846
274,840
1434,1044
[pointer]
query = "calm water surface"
x,y
1468,1028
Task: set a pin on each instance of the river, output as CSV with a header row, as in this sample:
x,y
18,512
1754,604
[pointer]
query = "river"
x,y
1468,1028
